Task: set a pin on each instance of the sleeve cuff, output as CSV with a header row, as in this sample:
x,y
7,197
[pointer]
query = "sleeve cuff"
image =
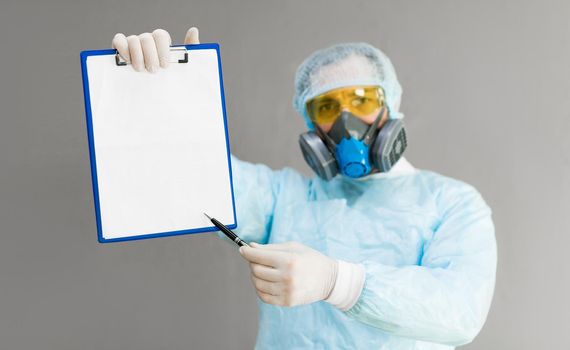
x,y
348,286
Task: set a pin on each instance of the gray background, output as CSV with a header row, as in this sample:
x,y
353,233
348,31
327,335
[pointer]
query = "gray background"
x,y
486,98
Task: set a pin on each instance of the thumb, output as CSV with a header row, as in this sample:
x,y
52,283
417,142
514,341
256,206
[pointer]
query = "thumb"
x,y
192,36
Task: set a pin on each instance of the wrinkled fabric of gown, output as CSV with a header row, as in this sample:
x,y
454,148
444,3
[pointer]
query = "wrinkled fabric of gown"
x,y
427,243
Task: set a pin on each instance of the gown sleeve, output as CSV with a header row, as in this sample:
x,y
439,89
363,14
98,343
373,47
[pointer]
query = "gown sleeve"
x,y
445,299
255,187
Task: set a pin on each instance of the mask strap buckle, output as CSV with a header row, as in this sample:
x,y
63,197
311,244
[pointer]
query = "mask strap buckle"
x,y
372,130
326,138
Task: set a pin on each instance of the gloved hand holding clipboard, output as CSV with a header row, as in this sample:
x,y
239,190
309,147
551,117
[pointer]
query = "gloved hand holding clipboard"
x,y
158,144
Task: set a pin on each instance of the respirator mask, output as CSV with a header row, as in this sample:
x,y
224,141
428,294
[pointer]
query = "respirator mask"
x,y
343,140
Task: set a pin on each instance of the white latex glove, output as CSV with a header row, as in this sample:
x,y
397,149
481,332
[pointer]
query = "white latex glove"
x,y
149,51
289,274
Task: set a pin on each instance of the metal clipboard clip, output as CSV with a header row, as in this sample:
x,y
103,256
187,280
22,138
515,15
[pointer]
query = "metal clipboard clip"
x,y
177,55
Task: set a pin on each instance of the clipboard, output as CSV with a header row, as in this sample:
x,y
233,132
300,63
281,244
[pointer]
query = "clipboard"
x,y
158,144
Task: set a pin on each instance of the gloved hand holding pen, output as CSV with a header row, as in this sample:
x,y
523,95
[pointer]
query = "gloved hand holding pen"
x,y
290,274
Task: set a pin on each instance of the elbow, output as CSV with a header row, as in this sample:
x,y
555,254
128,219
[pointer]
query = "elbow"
x,y
466,336
467,316
466,332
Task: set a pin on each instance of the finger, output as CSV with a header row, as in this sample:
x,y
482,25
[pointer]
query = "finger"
x,y
270,299
284,247
122,46
163,41
149,52
265,272
266,286
384,113
135,51
261,256
192,36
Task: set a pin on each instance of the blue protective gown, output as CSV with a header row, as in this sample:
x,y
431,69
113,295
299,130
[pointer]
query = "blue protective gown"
x,y
427,243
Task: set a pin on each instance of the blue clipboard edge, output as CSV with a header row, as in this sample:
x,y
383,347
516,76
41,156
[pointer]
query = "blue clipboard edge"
x,y
91,141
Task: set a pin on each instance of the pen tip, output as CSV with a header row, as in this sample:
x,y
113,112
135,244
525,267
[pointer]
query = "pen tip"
x,y
208,216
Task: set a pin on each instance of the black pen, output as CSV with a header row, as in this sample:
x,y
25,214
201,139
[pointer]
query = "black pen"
x,y
231,235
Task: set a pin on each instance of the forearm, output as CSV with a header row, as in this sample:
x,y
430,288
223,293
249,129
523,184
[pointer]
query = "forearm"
x,y
430,304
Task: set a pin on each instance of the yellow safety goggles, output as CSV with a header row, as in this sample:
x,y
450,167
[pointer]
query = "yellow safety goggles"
x,y
359,100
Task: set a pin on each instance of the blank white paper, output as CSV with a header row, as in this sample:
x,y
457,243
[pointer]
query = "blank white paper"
x,y
160,146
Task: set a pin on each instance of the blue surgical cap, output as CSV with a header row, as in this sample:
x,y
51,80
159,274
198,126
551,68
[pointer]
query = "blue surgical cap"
x,y
346,65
